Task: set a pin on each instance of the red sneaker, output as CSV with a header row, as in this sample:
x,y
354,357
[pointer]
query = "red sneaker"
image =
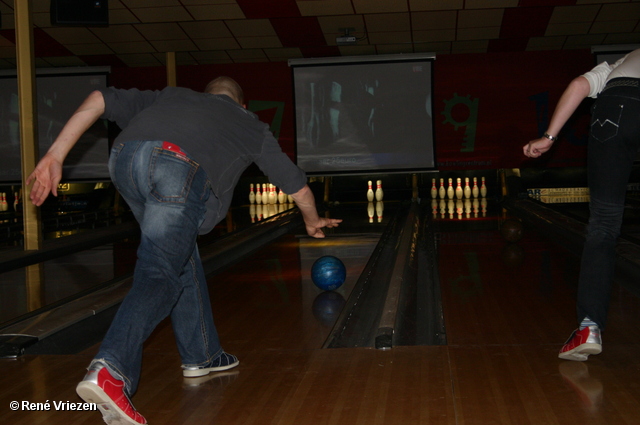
x,y
581,343
107,392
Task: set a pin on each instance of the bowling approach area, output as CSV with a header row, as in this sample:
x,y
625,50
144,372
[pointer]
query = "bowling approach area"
x,y
445,316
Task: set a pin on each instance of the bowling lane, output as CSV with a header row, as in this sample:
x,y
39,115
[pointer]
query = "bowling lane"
x,y
508,307
630,224
494,286
81,270
64,277
281,307
268,300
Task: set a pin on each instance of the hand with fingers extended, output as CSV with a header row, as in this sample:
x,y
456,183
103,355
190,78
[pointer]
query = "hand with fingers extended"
x,y
45,178
47,174
315,229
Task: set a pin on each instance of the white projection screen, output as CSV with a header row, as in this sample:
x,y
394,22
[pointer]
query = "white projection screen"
x,y
357,115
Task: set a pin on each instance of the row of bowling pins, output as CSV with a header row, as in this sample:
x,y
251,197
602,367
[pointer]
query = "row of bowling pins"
x,y
378,194
459,192
259,212
459,208
268,195
4,205
378,210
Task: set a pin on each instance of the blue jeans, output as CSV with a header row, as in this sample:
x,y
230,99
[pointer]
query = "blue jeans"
x,y
166,192
613,145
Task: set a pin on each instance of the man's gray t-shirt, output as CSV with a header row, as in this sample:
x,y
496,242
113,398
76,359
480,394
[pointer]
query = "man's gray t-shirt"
x,y
213,130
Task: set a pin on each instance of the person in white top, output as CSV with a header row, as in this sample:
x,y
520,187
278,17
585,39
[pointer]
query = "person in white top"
x,y
614,140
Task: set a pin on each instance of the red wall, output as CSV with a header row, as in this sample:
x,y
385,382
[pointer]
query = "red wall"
x,y
486,106
509,98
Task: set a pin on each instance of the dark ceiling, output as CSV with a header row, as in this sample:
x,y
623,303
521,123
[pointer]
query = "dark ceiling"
x,y
140,32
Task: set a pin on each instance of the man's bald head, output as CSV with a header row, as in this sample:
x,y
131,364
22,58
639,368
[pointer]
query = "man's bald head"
x,y
227,86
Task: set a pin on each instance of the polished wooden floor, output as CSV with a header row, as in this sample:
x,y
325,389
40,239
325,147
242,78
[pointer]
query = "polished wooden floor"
x,y
508,309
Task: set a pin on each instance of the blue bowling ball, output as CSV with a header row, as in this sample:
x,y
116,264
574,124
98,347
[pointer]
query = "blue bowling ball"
x,y
328,273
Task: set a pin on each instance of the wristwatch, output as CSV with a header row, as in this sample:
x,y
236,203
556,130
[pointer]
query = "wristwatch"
x,y
552,138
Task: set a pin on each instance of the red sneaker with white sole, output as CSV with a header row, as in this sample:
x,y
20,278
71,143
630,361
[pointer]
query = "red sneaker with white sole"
x,y
107,392
581,344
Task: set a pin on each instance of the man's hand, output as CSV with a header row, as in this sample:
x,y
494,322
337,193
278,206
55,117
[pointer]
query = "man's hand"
x,y
315,229
47,174
45,178
313,222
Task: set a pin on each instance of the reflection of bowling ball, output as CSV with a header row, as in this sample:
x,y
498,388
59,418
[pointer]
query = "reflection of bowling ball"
x,y
327,307
328,273
512,255
511,230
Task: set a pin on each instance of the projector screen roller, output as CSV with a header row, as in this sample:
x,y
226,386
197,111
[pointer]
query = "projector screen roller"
x,y
360,115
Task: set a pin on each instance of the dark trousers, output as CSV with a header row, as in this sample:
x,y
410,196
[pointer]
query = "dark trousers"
x,y
613,145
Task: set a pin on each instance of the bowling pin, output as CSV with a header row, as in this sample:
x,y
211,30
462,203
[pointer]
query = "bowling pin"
x,y
252,195
272,194
370,191
370,211
266,192
290,200
475,191
379,210
483,189
467,188
252,212
281,196
379,192
459,190
442,192
450,191
434,189
258,194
